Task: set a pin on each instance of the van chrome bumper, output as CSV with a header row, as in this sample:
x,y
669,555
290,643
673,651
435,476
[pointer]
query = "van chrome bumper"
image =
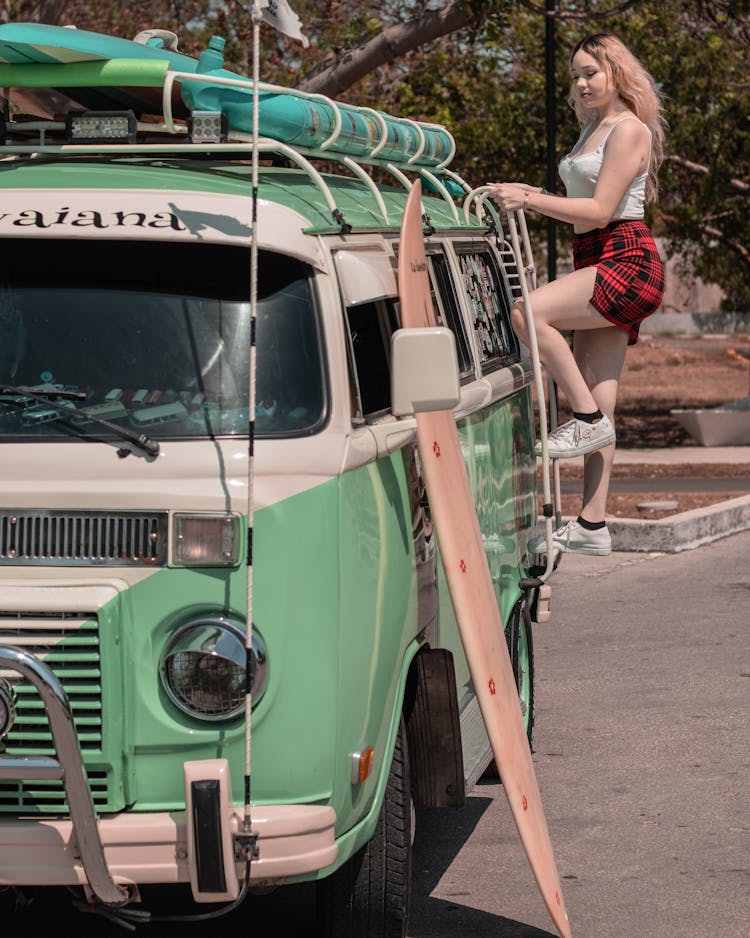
x,y
137,847
68,766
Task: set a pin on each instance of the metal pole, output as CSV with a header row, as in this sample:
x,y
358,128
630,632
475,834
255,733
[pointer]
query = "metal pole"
x,y
247,824
551,184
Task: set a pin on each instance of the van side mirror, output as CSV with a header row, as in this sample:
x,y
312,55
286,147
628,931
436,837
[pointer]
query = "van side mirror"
x,y
424,371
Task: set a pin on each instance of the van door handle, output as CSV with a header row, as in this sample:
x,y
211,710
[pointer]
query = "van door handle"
x,y
473,396
392,435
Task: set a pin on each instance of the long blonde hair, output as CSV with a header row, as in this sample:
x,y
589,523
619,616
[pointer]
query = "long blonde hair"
x,y
638,91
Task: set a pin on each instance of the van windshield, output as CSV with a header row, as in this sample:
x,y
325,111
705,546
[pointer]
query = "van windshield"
x,y
155,337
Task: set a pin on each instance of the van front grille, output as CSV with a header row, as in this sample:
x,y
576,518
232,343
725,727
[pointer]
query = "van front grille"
x,y
68,643
83,537
48,797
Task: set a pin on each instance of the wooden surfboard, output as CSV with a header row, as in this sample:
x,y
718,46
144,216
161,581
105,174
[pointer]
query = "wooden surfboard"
x,y
471,589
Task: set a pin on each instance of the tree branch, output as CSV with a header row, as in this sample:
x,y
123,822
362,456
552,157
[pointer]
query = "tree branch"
x,y
585,15
340,70
49,11
738,184
732,245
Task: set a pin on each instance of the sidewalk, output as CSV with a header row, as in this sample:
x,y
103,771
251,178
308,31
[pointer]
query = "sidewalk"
x,y
685,456
689,529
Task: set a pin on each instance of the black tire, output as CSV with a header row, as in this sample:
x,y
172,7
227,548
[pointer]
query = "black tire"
x,y
522,659
521,650
369,896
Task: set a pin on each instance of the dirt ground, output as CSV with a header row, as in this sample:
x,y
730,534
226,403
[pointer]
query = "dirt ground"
x,y
662,373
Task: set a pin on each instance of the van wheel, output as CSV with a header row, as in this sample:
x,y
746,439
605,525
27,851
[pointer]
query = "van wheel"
x,y
369,896
521,648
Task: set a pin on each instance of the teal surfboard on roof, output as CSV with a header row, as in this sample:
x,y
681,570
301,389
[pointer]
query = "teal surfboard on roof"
x,y
301,120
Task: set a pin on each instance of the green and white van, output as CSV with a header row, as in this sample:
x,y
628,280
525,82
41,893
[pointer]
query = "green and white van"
x,y
125,284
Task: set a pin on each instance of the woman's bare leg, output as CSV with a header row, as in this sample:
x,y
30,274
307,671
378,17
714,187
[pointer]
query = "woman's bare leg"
x,y
564,305
589,375
600,355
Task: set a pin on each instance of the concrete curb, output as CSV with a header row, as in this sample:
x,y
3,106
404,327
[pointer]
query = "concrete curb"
x,y
683,531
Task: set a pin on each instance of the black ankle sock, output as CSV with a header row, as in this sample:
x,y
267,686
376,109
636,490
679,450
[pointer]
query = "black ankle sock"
x,y
591,525
595,417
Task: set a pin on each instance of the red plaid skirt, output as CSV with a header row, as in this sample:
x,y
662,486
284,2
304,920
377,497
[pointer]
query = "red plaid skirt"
x,y
629,276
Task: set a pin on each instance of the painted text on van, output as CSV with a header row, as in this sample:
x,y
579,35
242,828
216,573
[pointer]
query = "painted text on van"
x,y
89,218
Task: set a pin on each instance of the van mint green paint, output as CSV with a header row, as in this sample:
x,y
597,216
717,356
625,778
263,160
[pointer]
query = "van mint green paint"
x,y
335,601
356,837
335,587
500,472
378,617
289,187
295,609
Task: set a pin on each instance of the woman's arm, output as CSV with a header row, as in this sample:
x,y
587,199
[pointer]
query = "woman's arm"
x,y
625,157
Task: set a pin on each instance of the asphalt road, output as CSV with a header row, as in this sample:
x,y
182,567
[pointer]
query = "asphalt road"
x,y
642,752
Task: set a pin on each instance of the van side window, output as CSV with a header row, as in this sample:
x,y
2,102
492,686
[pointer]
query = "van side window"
x,y
370,327
488,306
446,308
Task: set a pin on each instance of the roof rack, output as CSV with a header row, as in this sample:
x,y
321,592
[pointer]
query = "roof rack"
x,y
329,130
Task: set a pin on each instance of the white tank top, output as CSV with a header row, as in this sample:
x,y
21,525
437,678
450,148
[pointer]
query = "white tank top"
x,y
579,172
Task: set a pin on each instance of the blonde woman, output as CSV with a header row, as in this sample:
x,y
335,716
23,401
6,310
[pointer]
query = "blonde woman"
x,y
609,176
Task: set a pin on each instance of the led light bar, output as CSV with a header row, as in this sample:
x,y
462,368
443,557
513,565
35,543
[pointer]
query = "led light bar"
x,y
101,127
208,127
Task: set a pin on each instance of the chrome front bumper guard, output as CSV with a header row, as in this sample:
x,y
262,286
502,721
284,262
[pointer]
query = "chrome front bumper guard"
x,y
197,845
68,766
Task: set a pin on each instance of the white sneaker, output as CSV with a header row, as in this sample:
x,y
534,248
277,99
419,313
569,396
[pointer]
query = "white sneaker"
x,y
577,437
573,538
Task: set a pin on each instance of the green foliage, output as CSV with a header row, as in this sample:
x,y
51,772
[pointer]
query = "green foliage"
x,y
488,85
491,93
698,52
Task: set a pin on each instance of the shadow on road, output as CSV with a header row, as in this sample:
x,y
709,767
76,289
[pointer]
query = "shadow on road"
x,y
441,835
448,920
285,912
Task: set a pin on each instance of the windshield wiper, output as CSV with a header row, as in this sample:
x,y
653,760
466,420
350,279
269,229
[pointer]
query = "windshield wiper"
x,y
48,396
43,393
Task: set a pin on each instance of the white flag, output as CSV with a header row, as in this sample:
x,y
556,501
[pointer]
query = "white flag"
x,y
281,16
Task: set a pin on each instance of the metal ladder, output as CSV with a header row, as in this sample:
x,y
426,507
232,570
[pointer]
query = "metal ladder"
x,y
521,273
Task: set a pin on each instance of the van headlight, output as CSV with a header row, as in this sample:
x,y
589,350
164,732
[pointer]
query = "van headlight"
x,y
203,668
7,707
